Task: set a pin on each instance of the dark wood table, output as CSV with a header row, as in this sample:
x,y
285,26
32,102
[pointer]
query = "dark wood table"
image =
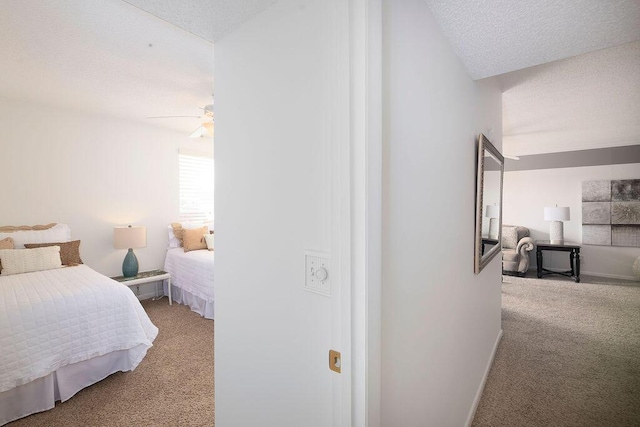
x,y
574,258
488,241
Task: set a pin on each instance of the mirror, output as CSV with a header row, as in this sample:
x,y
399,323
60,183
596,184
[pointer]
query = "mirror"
x,y
490,170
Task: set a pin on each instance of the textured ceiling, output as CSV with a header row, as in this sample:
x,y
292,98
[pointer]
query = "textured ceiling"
x,y
209,19
95,57
584,102
572,68
492,37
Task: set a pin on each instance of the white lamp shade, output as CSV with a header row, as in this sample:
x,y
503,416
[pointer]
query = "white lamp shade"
x,y
129,237
557,213
492,211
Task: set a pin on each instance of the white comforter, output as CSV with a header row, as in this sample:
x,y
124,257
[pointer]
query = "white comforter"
x,y
192,271
53,318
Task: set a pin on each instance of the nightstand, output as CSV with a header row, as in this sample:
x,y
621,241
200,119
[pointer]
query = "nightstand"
x,y
146,277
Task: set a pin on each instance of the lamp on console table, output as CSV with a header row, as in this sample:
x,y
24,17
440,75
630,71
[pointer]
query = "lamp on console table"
x,y
556,215
129,238
493,213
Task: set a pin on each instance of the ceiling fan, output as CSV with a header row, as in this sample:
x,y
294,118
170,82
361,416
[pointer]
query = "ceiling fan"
x,y
205,129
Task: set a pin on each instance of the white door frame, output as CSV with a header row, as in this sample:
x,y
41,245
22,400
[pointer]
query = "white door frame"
x,y
365,87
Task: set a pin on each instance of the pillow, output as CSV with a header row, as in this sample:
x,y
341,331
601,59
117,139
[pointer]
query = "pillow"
x,y
69,251
509,237
178,228
6,243
174,242
208,239
12,228
193,238
16,261
56,233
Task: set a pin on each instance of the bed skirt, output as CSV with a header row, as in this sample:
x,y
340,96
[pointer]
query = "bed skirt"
x,y
41,394
200,305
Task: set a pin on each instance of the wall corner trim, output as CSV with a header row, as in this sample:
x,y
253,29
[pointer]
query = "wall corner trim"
x,y
476,401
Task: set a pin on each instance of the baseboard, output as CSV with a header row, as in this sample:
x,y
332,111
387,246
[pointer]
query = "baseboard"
x,y
476,401
608,276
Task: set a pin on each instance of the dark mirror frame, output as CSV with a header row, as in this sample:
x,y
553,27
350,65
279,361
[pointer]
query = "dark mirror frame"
x,y
483,258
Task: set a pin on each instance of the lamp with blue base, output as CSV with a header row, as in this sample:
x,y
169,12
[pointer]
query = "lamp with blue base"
x,y
129,238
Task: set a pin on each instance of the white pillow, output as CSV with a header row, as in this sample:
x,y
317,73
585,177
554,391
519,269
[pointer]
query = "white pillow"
x,y
208,238
57,233
173,240
16,261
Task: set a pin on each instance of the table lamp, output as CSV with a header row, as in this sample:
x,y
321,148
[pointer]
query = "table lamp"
x,y
556,215
493,213
129,238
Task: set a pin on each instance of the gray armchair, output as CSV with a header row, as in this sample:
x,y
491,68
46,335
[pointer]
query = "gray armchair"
x,y
516,245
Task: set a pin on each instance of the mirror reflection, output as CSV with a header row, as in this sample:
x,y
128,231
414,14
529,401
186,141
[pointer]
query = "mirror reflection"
x,y
488,202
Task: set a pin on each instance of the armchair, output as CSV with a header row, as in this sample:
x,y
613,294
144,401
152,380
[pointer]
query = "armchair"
x,y
516,245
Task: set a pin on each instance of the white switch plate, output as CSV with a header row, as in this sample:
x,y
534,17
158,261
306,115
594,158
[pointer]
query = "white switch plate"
x,y
316,264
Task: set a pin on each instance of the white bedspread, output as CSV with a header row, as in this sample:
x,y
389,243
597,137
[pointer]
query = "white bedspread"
x,y
53,318
191,271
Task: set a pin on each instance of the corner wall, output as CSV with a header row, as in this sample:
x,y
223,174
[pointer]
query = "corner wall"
x,y
440,321
527,192
91,172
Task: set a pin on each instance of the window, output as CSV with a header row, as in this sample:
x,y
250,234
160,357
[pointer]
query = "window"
x,y
196,188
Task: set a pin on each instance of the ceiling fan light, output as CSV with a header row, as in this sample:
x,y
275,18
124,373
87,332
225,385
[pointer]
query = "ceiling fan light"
x,y
206,130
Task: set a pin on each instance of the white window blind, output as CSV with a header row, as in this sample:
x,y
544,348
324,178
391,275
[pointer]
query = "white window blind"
x,y
196,188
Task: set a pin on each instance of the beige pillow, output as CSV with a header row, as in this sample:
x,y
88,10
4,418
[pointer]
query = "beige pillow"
x,y
208,238
69,251
177,231
16,261
12,228
193,238
6,243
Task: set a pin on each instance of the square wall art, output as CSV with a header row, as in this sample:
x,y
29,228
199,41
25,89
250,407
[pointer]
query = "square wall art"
x,y
611,212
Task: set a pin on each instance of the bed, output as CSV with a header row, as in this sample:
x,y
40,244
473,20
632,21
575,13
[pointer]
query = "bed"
x,y
61,330
192,278
190,260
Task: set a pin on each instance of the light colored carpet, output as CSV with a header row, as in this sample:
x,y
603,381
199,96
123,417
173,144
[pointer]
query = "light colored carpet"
x,y
172,386
569,355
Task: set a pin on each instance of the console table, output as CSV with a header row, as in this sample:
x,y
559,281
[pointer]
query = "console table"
x,y
574,258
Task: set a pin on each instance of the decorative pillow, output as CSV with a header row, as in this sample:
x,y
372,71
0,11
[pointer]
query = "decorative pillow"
x,y
193,238
178,228
12,228
177,231
16,261
208,239
509,237
6,243
56,233
69,251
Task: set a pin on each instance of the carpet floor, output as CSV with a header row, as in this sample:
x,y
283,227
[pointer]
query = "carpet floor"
x,y
172,386
569,355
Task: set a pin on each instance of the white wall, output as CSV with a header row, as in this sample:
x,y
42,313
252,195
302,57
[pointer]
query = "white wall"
x,y
91,172
440,322
526,193
274,200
